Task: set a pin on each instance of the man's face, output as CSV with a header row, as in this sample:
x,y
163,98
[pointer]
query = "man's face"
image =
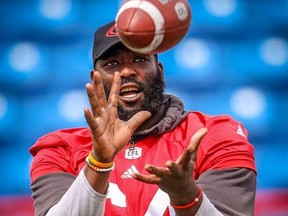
x,y
142,83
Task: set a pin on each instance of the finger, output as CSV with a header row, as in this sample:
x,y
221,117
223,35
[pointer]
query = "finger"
x,y
184,160
173,168
191,151
136,120
195,141
114,92
149,179
157,171
99,89
93,100
90,120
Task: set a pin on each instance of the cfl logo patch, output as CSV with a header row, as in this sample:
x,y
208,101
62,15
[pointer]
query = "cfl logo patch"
x,y
133,153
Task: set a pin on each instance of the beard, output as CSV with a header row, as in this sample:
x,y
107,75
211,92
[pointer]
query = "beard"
x,y
152,90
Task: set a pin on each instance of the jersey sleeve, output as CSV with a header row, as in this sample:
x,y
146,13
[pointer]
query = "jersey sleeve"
x,y
51,154
60,151
48,189
232,190
225,145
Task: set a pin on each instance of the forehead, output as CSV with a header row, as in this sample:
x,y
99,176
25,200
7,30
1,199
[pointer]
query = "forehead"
x,y
119,49
114,51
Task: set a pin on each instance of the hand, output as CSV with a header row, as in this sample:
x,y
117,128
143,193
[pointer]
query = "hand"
x,y
110,134
176,179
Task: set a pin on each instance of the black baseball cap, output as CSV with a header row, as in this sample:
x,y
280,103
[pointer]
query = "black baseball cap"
x,y
104,38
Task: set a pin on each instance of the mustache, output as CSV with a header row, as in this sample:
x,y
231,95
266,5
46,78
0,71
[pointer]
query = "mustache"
x,y
132,80
124,80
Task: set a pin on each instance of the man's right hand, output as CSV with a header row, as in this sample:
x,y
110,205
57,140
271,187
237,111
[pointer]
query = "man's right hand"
x,y
110,134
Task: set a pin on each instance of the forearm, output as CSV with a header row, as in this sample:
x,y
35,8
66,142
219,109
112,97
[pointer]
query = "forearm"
x,y
99,181
80,199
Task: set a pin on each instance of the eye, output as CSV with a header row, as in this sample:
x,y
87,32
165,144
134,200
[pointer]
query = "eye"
x,y
110,63
140,59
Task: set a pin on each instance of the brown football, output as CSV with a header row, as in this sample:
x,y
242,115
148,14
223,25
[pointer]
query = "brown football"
x,y
152,26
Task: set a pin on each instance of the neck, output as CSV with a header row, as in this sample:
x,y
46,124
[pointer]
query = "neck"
x,y
152,120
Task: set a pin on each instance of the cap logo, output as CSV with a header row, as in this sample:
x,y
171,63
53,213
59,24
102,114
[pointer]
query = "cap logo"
x,y
111,32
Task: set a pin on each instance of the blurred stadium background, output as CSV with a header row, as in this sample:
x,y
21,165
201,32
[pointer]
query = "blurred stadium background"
x,y
234,60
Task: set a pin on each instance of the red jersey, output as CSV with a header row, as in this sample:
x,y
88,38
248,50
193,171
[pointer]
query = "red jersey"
x,y
224,146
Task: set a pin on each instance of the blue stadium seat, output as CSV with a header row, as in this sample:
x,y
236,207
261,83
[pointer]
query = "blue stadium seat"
x,y
218,18
262,60
10,117
24,65
192,63
53,111
255,108
71,64
15,179
271,160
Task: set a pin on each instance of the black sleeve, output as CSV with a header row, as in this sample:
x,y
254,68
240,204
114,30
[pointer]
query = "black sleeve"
x,y
48,189
232,190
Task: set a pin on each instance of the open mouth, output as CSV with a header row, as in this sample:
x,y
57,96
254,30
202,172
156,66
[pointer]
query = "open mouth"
x,y
130,93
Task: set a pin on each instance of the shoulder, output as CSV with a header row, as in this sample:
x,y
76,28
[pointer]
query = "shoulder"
x,y
206,118
221,127
65,137
60,151
214,123
226,145
217,123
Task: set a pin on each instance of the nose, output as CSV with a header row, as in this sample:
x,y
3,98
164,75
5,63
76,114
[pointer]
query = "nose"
x,y
127,71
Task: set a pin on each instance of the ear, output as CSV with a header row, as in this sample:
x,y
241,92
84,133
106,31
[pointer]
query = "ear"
x,y
91,74
160,70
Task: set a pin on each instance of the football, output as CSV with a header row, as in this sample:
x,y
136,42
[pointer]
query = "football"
x,y
152,26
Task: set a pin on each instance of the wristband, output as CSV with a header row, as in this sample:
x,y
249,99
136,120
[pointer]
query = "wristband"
x,y
98,169
98,164
189,204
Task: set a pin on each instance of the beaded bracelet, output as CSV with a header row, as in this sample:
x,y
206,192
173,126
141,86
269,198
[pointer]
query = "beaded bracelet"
x,y
98,169
189,204
99,164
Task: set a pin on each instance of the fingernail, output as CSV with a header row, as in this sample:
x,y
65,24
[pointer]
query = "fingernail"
x,y
148,168
169,164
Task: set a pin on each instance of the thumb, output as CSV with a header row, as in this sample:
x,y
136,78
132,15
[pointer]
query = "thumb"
x,y
195,141
136,120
